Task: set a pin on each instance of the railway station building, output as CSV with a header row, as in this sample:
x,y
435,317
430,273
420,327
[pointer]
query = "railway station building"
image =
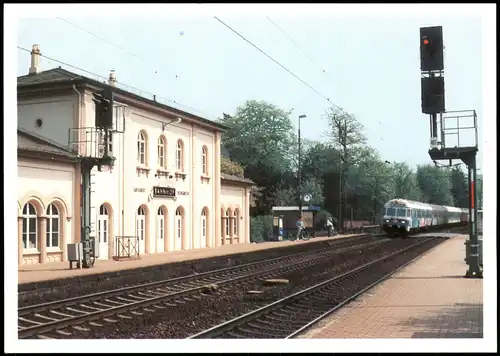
x,y
165,187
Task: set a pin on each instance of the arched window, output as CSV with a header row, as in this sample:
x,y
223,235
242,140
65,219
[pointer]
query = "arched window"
x,y
203,228
102,224
53,224
178,224
30,227
204,160
142,148
162,152
161,223
236,224
228,227
141,222
179,156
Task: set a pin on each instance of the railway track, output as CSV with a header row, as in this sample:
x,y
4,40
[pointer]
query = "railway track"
x,y
289,316
84,312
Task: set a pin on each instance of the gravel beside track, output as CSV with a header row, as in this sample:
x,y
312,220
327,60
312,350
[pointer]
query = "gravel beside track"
x,y
41,292
128,303
217,306
288,316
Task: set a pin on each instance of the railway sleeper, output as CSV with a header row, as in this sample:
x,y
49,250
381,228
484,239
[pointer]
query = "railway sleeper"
x,y
253,332
267,326
80,328
124,316
273,321
64,333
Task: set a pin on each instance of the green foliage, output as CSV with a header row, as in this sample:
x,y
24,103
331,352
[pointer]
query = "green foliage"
x,y
261,228
459,187
229,167
259,138
405,182
434,183
261,144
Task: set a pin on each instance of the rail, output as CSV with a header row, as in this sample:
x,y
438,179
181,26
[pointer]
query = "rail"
x,y
296,309
84,309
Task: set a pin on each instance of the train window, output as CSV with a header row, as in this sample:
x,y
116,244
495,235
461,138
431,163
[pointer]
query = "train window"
x,y
401,212
391,211
408,213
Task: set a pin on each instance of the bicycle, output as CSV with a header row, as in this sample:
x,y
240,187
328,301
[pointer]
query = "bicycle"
x,y
304,235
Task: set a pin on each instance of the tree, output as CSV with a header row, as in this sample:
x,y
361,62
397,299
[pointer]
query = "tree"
x,y
229,167
459,187
405,182
375,183
259,138
321,162
434,184
346,133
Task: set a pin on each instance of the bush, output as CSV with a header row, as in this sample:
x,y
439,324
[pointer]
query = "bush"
x,y
261,228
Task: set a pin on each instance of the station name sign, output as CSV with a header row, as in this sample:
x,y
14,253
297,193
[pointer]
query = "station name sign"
x,y
164,192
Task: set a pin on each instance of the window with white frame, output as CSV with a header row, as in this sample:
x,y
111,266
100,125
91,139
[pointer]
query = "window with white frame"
x,y
102,224
204,160
179,156
30,227
53,226
141,148
228,227
178,223
162,152
203,224
236,222
141,222
161,223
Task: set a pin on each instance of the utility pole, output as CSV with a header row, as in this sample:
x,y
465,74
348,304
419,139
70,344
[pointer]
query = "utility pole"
x,y
344,175
342,131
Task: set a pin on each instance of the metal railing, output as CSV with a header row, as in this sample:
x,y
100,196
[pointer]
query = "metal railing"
x,y
126,247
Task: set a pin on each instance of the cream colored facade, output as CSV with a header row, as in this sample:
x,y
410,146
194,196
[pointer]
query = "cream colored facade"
x,y
48,200
154,150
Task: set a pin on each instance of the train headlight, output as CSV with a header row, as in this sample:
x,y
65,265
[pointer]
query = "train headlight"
x,y
402,221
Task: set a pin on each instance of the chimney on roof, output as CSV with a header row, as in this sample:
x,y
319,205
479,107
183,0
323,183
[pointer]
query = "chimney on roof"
x,y
112,78
35,60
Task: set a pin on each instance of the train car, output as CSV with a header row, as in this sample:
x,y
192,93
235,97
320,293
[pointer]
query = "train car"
x,y
402,216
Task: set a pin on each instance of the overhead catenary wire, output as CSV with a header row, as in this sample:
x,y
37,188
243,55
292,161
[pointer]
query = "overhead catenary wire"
x,y
294,42
274,60
286,69
101,38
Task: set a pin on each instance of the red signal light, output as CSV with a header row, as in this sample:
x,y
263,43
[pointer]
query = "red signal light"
x,y
426,41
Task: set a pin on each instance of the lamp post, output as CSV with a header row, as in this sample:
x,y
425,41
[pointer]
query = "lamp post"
x,y
299,173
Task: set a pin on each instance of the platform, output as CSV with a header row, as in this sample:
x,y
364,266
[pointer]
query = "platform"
x,y
59,270
429,298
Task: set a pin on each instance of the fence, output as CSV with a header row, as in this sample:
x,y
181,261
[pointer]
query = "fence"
x,y
126,247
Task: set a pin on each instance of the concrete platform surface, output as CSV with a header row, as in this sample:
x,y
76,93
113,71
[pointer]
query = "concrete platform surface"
x,y
430,298
58,270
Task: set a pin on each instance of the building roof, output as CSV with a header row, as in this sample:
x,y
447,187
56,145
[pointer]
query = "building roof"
x,y
60,76
28,142
230,178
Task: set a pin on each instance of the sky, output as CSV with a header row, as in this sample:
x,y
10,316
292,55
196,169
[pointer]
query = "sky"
x,y
370,66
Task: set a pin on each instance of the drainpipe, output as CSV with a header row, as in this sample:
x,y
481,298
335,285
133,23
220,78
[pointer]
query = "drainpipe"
x,y
78,217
